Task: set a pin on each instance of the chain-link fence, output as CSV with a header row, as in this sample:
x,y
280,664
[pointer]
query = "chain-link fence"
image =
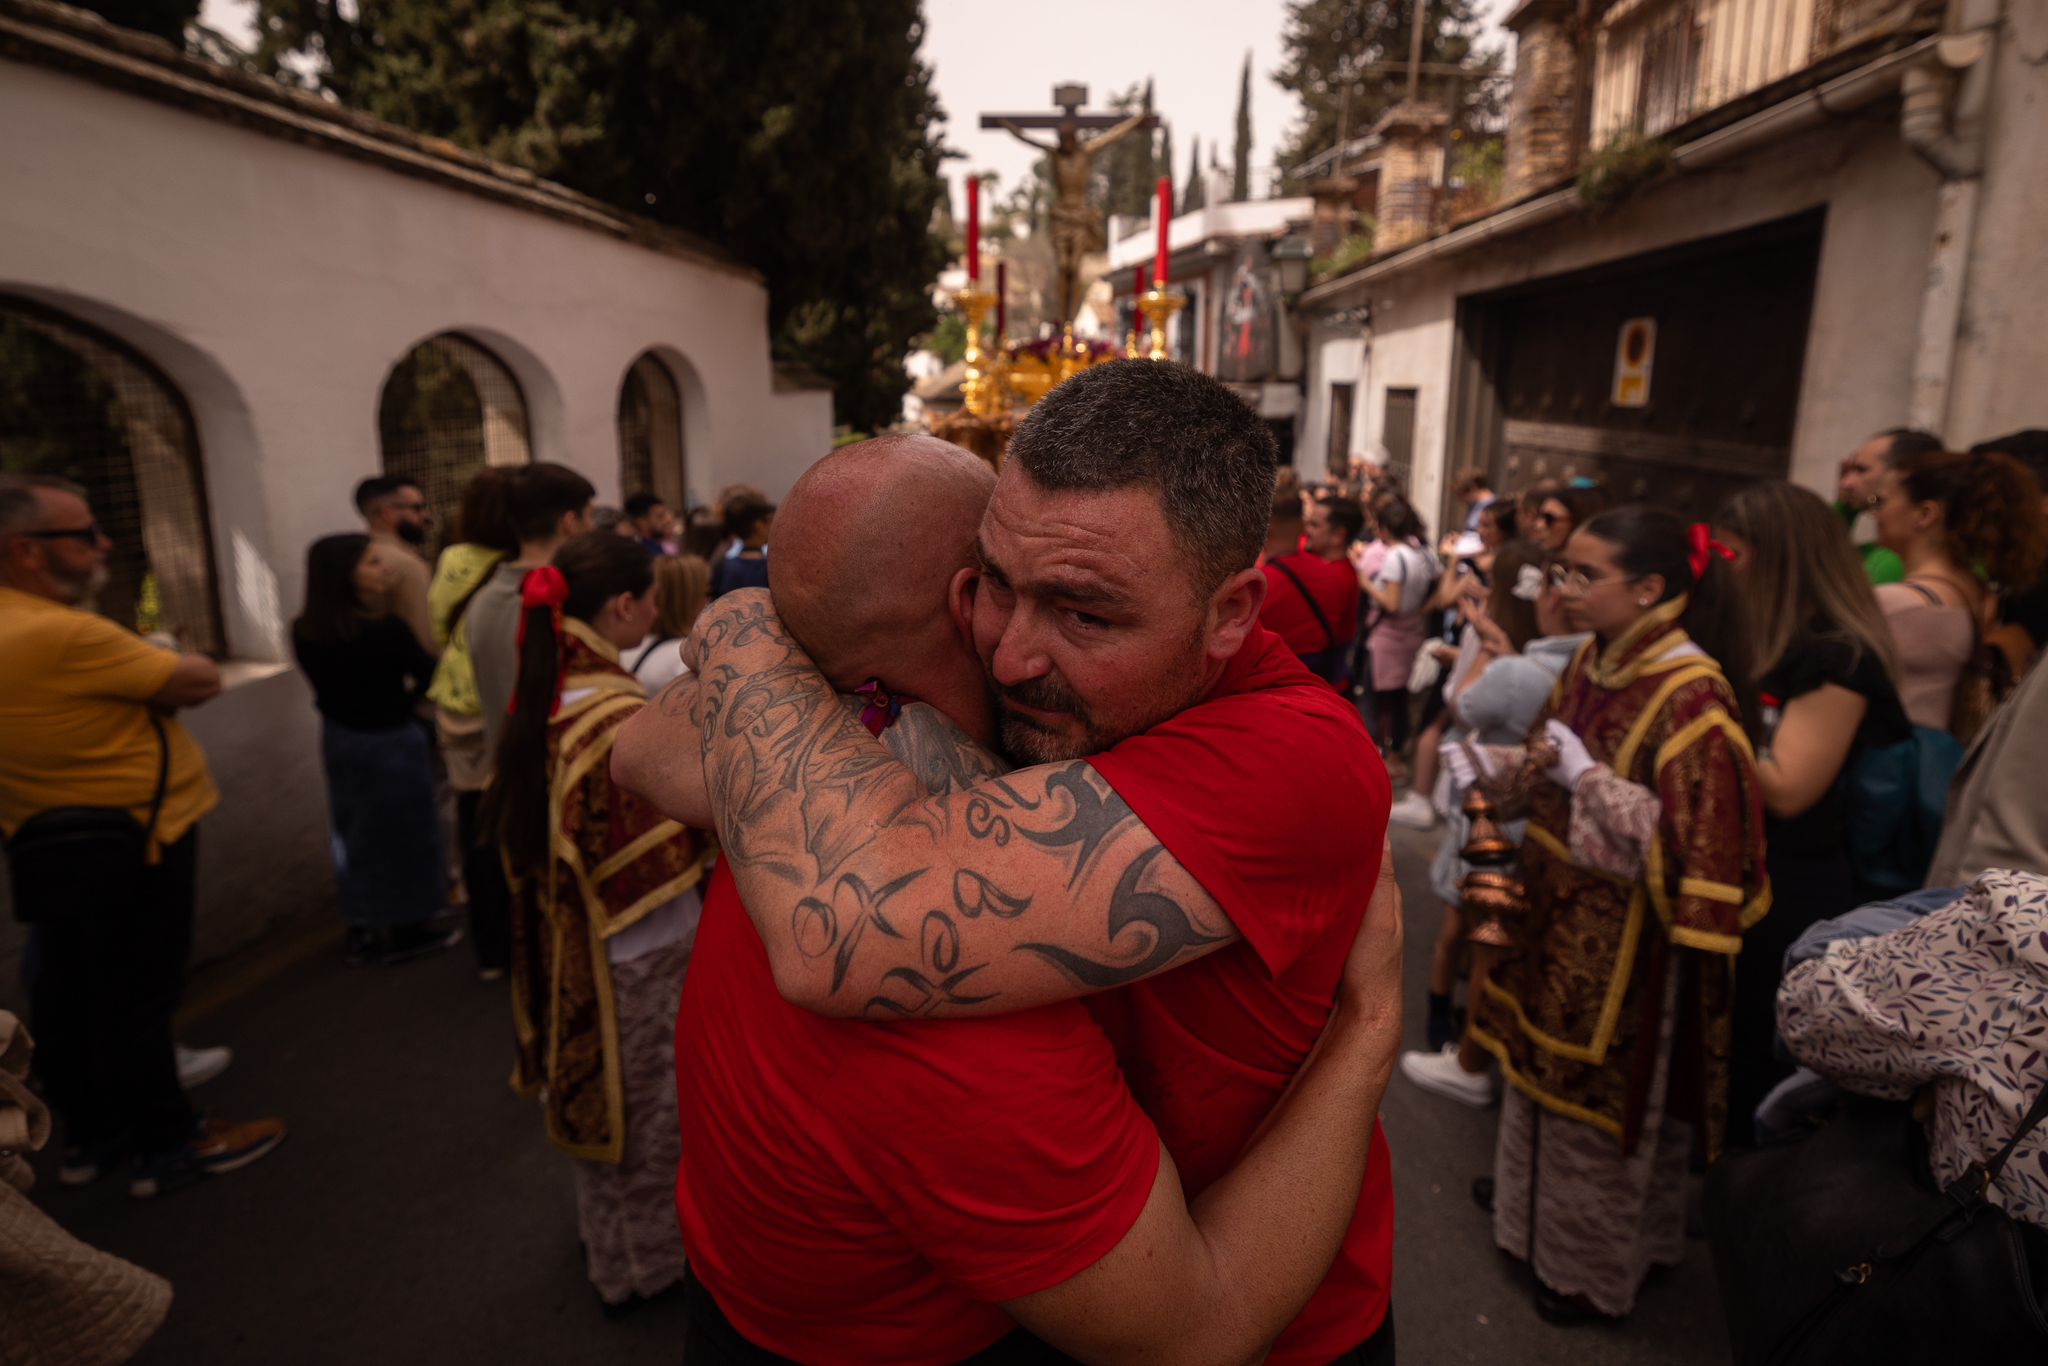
x,y
82,406
651,433
447,410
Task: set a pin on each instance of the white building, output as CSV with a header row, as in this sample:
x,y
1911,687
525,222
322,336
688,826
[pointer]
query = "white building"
x,y
254,273
1843,237
1235,325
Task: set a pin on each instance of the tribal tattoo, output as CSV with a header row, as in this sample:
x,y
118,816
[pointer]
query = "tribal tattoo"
x,y
913,876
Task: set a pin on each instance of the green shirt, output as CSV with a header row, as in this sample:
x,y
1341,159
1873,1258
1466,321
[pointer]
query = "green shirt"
x,y
1881,565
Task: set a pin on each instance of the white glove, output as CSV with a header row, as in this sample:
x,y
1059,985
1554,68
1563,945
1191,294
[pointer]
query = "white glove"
x,y
1465,763
1573,763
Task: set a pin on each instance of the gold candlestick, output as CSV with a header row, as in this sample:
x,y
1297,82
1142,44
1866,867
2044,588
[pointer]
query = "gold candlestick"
x,y
1159,307
978,394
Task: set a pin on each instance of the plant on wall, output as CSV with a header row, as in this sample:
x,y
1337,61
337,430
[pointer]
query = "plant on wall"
x,y
1624,165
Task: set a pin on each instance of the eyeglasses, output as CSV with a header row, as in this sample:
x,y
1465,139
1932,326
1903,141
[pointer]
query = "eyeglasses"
x,y
89,534
1577,582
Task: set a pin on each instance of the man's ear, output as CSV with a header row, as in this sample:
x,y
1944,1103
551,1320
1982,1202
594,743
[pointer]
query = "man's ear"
x,y
1234,611
960,603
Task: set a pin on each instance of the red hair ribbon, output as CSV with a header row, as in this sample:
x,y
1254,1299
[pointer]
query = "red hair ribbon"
x,y
543,587
1704,548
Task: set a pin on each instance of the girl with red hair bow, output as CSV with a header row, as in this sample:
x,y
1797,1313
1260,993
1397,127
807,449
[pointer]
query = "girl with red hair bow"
x,y
605,906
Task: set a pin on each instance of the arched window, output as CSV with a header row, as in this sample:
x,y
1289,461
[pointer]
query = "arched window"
x,y
447,410
651,433
80,405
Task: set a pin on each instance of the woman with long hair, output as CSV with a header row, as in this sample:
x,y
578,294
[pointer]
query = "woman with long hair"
x,y
482,538
1561,512
1611,1025
1951,518
605,908
1822,657
1397,590
368,672
682,585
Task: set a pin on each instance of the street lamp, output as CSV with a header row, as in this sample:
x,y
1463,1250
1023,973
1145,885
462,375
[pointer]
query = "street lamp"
x,y
1291,255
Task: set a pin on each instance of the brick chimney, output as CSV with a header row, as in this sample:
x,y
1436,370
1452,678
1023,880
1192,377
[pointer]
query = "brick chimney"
x,y
1542,143
1334,216
1411,162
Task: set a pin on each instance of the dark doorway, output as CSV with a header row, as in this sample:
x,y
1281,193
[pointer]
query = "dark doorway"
x,y
1397,434
1535,388
1338,458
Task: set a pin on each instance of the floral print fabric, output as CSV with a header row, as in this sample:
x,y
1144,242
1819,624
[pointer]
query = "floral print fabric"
x,y
1958,999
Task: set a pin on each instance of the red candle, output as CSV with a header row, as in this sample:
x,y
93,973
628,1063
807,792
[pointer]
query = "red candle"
x,y
973,230
1141,279
1161,273
1002,300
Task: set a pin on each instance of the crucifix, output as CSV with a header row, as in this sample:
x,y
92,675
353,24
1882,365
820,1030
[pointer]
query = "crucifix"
x,y
1076,230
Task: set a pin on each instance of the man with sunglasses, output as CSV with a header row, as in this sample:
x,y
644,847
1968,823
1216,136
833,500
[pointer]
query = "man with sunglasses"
x,y
86,736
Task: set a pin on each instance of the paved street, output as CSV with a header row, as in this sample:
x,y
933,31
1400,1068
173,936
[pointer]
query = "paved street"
x,y
417,1215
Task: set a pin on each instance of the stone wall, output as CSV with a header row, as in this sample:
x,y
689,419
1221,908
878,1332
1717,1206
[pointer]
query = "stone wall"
x,y
1542,110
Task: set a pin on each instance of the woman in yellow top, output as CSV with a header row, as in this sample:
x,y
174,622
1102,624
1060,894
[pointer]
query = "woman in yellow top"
x,y
484,536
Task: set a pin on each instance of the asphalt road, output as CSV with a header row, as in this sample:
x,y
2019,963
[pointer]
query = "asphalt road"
x,y
417,1215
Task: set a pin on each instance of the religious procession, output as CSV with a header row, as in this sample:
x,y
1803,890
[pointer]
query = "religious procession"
x,y
753,685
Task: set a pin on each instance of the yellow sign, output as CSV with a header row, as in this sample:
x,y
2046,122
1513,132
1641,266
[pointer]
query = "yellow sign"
x,y
1633,355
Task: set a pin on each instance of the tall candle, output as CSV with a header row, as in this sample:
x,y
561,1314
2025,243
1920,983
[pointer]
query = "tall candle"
x,y
1002,300
1161,273
1141,279
973,230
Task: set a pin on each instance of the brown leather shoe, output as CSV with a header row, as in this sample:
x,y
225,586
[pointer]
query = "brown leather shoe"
x,y
217,1146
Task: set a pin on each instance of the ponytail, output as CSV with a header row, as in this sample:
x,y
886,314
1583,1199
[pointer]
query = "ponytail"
x,y
588,571
1650,541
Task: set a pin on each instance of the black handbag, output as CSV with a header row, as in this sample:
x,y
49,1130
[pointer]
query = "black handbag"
x,y
1837,1246
77,856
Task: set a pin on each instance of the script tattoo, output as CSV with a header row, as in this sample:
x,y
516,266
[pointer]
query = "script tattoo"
x,y
852,829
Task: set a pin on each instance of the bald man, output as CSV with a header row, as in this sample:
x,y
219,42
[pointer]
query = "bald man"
x,y
856,1191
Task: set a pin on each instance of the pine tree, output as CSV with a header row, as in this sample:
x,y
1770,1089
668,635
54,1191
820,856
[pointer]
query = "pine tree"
x,y
1165,163
1327,43
804,136
1241,163
1127,174
1194,195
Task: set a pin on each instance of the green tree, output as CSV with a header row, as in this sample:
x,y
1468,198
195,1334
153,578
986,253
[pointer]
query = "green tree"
x,y
1165,164
1345,61
1131,168
1193,196
1241,156
165,19
803,135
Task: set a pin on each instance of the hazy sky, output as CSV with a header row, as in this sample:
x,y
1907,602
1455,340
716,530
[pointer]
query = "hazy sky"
x,y
990,57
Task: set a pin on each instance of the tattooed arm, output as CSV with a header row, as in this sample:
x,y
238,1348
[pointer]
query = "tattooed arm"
x,y
874,897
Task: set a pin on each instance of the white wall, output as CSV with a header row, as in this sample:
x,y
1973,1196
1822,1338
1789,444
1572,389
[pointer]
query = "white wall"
x,y
1335,356
1879,201
277,285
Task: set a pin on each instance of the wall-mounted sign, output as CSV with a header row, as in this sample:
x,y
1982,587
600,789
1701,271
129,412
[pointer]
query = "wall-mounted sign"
x,y
1633,355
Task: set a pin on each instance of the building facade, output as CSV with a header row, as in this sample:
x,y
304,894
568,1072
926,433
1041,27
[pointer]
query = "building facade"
x,y
1737,237
261,298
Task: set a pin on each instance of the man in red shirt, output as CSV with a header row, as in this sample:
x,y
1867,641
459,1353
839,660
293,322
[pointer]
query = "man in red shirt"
x,y
866,1192
1312,592
1196,795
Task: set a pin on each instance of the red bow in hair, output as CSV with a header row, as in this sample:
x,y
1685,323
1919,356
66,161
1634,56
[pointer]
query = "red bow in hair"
x,y
1704,548
543,587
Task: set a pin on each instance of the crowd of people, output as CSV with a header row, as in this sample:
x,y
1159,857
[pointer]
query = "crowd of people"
x,y
917,953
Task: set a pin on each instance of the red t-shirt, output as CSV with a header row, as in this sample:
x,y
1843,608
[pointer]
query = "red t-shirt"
x,y
1270,793
1334,586
856,1192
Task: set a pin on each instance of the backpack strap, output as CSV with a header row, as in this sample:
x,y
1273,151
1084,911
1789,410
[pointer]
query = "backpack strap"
x,y
1302,588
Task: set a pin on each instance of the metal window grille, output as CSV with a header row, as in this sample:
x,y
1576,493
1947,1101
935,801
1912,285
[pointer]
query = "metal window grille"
x,y
82,406
447,410
651,433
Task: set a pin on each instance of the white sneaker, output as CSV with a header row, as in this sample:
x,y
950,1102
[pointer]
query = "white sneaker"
x,y
197,1066
1413,812
1440,1073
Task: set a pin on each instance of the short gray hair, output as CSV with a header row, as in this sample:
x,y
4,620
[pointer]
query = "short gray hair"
x,y
20,509
1159,425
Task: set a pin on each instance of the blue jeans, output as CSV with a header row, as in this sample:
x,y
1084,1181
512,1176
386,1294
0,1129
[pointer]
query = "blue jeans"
x,y
386,827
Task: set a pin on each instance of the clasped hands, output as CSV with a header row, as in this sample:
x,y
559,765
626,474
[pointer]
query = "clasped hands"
x,y
1468,763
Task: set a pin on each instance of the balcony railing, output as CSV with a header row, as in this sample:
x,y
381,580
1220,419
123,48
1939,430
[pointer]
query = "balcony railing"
x,y
1658,63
